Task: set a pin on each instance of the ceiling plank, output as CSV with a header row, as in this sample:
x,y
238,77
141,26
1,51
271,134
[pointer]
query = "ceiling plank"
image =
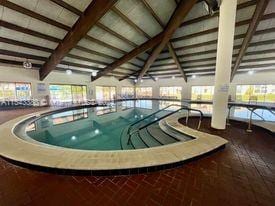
x,y
181,11
215,15
26,45
92,14
34,15
259,12
68,7
131,23
28,31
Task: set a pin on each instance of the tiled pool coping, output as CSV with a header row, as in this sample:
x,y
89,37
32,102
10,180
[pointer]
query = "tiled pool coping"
x,y
124,161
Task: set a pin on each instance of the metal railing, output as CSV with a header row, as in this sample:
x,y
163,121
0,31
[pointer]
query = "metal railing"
x,y
163,109
171,113
252,109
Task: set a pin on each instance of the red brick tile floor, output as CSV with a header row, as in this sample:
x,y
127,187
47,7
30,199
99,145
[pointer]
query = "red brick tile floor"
x,y
241,174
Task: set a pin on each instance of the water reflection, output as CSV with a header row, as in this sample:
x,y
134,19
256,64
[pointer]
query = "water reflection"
x,y
65,117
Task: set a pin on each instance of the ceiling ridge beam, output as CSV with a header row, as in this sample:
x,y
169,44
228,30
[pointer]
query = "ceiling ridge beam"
x,y
92,14
179,14
259,12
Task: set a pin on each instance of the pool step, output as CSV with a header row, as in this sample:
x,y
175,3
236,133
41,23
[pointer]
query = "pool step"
x,y
137,142
172,132
162,137
148,139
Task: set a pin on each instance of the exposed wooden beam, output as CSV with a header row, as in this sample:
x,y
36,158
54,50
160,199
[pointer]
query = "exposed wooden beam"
x,y
174,56
101,26
181,11
258,13
169,44
92,14
127,57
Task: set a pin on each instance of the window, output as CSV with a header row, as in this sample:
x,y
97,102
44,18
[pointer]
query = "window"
x,y
170,92
105,93
255,93
15,91
79,94
202,92
127,92
68,93
144,92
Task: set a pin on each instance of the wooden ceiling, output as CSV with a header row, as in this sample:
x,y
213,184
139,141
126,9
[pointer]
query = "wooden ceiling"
x,y
132,38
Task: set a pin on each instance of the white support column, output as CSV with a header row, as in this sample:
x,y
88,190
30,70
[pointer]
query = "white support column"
x,y
223,63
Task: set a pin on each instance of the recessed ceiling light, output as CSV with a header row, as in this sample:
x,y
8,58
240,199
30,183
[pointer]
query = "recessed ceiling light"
x,y
73,138
141,80
173,77
250,72
69,72
156,78
194,76
135,80
97,131
94,73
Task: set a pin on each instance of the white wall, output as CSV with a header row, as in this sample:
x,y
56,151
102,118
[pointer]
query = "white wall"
x,y
15,74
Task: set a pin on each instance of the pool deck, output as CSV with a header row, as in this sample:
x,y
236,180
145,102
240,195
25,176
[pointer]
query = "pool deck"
x,y
32,153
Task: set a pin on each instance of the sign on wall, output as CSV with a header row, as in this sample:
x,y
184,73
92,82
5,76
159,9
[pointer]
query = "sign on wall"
x,y
41,87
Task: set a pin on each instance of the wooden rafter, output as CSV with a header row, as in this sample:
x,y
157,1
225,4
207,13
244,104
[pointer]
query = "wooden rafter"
x,y
174,56
92,14
259,12
169,44
101,26
127,57
181,11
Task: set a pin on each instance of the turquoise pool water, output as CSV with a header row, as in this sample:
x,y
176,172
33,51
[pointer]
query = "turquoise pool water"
x,y
96,128
105,128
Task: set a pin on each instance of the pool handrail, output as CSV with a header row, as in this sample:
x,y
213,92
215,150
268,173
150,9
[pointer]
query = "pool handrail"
x,y
130,127
171,113
252,109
